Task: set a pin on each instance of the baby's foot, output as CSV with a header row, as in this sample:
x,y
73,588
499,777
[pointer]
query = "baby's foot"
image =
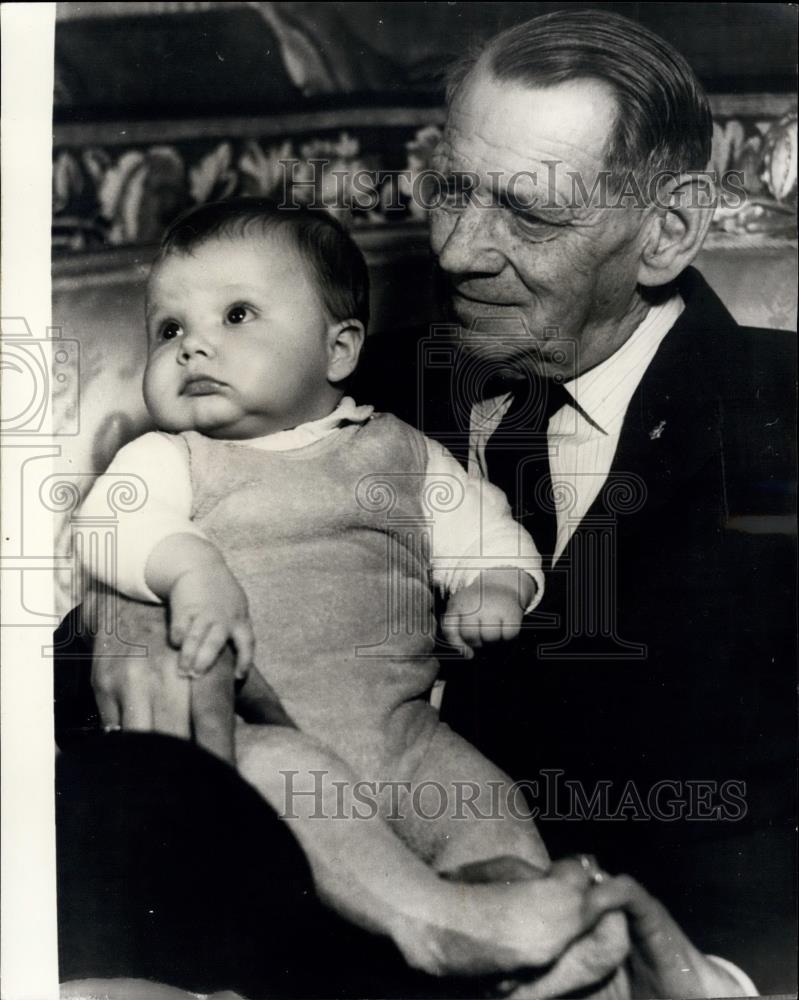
x,y
586,960
503,927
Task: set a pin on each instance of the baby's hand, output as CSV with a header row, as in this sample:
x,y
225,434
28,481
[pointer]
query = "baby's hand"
x,y
488,609
208,609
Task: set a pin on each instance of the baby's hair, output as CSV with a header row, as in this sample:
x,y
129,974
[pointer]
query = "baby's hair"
x,y
333,256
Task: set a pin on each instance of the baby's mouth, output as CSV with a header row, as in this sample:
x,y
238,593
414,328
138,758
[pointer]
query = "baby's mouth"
x,y
201,386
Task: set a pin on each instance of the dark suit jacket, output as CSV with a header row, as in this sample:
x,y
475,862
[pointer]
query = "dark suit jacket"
x,y
698,572
664,646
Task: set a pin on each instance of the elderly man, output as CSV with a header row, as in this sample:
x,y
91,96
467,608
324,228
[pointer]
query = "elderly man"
x,y
645,440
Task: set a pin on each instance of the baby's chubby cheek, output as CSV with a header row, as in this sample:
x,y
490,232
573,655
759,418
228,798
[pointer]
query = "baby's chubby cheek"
x,y
167,409
168,418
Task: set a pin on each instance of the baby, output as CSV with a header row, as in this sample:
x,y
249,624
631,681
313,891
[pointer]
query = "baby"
x,y
305,531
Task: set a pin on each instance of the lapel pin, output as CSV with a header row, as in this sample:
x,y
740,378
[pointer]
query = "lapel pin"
x,y
657,431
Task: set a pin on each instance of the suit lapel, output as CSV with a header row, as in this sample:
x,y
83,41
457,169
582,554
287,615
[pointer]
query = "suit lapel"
x,y
672,426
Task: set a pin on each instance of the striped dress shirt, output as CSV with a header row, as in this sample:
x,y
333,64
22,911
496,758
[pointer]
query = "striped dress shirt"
x,y
582,440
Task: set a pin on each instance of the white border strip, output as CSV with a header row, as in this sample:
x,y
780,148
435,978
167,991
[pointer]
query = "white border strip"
x,y
29,953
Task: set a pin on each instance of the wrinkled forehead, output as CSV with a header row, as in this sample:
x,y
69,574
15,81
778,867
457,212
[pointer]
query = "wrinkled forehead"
x,y
534,135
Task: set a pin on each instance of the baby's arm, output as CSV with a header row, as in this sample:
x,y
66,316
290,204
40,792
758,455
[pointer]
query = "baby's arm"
x,y
485,561
161,555
207,606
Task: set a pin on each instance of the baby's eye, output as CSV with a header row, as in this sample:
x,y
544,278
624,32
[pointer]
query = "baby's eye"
x,y
169,330
238,314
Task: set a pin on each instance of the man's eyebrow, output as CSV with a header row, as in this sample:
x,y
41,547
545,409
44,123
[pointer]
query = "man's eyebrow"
x,y
535,204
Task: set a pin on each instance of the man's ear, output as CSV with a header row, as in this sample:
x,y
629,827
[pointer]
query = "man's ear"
x,y
344,342
677,227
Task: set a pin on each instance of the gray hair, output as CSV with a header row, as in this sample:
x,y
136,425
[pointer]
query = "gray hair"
x,y
663,124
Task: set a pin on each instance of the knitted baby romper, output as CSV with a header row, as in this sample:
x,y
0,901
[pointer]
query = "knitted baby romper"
x,y
331,543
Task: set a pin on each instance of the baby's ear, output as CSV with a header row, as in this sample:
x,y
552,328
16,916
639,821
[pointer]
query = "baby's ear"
x,y
344,342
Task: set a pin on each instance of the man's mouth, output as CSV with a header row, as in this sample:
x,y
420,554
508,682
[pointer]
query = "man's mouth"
x,y
201,386
459,293
477,300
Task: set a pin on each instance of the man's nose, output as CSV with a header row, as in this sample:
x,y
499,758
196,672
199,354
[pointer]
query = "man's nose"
x,y
466,241
195,343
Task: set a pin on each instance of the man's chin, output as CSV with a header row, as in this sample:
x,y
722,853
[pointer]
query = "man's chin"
x,y
486,322
502,337
496,355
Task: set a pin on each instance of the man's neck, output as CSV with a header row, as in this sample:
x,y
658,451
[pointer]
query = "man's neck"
x,y
607,338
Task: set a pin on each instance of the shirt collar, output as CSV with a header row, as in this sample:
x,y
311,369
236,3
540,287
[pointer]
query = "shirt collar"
x,y
604,392
347,412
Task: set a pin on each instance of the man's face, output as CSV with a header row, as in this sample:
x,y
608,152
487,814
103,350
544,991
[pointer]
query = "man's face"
x,y
524,251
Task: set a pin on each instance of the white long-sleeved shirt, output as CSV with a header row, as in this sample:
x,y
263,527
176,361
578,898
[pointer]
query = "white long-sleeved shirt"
x,y
474,534
582,440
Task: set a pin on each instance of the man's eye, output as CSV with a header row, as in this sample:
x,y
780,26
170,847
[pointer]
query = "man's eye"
x,y
170,330
238,314
531,225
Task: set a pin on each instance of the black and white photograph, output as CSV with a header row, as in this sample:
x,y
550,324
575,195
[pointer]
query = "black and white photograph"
x,y
399,500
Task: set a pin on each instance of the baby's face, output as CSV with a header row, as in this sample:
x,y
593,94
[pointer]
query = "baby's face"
x,y
238,344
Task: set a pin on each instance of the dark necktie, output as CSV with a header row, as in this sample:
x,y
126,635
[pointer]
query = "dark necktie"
x,y
517,459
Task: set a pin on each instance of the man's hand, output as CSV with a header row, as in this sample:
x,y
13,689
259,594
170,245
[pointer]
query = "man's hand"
x,y
663,962
137,685
140,693
595,957
207,610
148,695
487,610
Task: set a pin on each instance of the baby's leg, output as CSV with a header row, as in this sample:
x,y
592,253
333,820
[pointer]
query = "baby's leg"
x,y
366,873
462,809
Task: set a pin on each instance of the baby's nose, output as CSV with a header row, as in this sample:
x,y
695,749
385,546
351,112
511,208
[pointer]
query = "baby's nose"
x,y
193,344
